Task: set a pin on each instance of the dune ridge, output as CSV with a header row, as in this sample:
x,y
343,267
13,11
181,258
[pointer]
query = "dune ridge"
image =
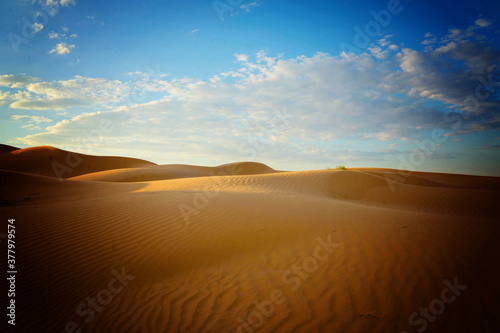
x,y
347,251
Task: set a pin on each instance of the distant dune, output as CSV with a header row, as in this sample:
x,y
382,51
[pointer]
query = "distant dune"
x,y
172,171
125,245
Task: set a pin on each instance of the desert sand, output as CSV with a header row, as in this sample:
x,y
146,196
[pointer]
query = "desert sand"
x,y
114,244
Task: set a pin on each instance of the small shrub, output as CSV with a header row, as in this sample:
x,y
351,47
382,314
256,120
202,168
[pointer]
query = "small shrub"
x,y
341,167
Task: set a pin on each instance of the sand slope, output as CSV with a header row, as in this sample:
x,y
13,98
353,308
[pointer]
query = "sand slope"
x,y
258,250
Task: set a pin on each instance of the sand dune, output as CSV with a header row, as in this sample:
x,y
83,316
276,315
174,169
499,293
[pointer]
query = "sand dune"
x,y
53,162
173,171
243,248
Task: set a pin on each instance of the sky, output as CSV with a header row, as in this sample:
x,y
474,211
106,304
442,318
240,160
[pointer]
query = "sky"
x,y
297,85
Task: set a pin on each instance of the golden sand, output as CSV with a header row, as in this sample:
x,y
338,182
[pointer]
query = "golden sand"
x,y
125,245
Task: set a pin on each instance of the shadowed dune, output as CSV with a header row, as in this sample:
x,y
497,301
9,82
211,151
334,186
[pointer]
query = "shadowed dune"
x,y
208,249
7,149
54,162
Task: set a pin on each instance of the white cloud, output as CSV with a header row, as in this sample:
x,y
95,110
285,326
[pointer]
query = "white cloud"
x,y
241,57
378,52
54,34
62,48
37,27
47,104
4,98
335,97
430,39
384,41
66,3
53,6
483,23
195,30
59,95
32,127
16,80
32,119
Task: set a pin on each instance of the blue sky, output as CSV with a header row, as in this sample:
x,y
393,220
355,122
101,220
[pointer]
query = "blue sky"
x,y
293,84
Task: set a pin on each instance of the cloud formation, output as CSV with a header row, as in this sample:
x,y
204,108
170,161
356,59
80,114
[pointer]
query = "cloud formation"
x,y
59,95
483,23
54,34
16,80
37,27
305,107
33,121
62,48
47,104
53,6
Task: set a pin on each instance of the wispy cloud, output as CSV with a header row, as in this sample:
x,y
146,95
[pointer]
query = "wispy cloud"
x,y
483,23
66,3
62,48
491,147
54,34
194,31
47,104
247,7
34,119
